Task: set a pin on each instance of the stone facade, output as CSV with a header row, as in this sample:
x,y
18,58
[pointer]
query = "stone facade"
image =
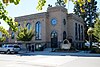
x,y
56,21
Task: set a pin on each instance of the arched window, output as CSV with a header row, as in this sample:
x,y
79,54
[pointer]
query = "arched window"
x,y
0,34
64,21
38,30
53,34
81,32
12,35
28,25
18,27
76,31
64,35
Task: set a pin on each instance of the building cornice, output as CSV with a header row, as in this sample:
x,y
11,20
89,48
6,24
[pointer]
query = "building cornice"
x,y
75,17
30,17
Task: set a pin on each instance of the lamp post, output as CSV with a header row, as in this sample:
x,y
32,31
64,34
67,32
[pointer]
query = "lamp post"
x,y
90,32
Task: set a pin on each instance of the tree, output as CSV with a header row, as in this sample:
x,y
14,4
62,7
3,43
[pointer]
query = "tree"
x,y
97,29
60,3
41,3
4,34
4,31
24,34
2,39
88,11
3,14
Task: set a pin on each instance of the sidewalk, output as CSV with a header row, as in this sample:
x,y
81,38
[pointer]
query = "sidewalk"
x,y
80,53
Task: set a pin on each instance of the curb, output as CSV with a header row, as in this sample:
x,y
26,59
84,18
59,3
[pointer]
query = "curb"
x,y
60,54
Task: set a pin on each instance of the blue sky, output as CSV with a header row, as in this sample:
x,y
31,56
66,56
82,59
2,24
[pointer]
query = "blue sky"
x,y
26,7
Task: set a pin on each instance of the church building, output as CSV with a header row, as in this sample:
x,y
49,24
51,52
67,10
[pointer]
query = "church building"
x,y
54,25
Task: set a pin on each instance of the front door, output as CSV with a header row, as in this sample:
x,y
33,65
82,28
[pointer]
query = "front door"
x,y
64,35
54,39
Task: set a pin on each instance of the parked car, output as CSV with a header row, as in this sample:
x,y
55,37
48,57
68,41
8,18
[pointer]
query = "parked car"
x,y
9,48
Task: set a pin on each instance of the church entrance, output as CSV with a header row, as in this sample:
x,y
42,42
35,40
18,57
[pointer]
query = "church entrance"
x,y
54,39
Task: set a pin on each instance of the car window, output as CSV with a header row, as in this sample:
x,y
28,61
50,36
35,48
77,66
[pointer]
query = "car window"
x,y
10,46
0,45
5,46
16,47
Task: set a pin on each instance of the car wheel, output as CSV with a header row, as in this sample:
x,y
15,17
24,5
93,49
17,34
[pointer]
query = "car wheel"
x,y
16,52
8,52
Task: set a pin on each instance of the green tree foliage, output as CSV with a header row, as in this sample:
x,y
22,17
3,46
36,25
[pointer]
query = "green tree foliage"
x,y
3,15
24,34
88,11
2,39
4,34
97,29
42,3
60,3
4,31
11,1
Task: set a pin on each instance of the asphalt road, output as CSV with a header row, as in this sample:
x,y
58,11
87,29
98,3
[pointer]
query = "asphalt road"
x,y
48,61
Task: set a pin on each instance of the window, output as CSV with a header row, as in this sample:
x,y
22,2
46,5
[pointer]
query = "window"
x,y
18,27
12,35
53,34
38,31
53,21
28,25
81,32
64,21
76,36
0,34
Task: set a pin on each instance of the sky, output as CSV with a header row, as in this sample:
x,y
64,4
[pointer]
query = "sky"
x,y
26,7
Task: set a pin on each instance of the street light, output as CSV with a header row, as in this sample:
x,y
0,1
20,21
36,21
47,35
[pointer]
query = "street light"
x,y
90,32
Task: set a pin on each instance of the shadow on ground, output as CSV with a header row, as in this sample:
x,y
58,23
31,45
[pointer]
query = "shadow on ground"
x,y
78,54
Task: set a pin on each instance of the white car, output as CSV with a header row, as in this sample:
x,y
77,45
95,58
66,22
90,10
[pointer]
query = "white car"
x,y
7,48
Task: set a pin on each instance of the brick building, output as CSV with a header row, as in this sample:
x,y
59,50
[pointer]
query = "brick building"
x,y
54,25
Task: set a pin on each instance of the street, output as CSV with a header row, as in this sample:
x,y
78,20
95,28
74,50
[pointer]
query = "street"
x,y
48,61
